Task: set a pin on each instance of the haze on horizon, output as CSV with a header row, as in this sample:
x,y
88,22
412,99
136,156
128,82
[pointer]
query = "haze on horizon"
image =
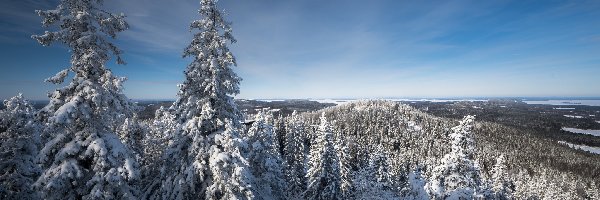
x,y
339,49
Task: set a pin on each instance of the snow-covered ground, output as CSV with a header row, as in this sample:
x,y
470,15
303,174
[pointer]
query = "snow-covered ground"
x,y
598,122
566,102
595,150
582,131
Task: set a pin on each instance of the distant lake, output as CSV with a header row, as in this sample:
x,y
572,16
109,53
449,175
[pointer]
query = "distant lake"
x,y
566,102
582,131
594,150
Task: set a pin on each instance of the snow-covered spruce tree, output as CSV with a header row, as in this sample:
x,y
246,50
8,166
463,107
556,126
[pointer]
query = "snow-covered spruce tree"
x,y
345,158
323,167
415,186
366,187
19,140
373,180
82,157
379,163
154,144
457,177
279,131
203,159
295,156
132,134
501,185
264,159
231,178
592,191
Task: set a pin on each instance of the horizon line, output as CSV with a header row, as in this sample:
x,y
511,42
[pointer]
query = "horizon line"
x,y
396,98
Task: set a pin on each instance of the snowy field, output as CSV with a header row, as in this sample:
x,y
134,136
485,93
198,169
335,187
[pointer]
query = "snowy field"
x,y
594,150
566,102
582,131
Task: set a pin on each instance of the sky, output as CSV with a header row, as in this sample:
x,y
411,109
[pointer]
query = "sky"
x,y
337,48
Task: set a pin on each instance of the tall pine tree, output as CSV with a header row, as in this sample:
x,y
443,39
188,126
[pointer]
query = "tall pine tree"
x,y
203,159
501,184
19,140
457,177
265,161
323,173
83,158
295,155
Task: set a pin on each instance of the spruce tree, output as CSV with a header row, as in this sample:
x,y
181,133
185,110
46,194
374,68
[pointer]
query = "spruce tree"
x,y
203,159
19,140
323,172
264,159
457,177
415,186
345,158
295,155
501,184
83,157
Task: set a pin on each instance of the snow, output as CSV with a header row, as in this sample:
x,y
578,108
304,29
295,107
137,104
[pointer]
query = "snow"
x,y
574,116
594,150
598,122
561,108
335,101
62,114
268,100
582,131
345,101
566,102
59,77
414,126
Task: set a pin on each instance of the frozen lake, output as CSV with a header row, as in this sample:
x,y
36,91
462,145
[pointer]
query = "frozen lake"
x,y
582,131
566,102
594,150
343,101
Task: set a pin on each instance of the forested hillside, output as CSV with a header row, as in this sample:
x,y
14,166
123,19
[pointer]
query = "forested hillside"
x,y
414,139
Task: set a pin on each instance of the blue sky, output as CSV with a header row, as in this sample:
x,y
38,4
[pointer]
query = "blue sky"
x,y
335,49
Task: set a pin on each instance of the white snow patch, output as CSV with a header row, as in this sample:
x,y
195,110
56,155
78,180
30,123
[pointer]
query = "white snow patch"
x,y
566,102
334,101
582,131
598,122
574,116
344,101
62,114
269,100
594,150
563,108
